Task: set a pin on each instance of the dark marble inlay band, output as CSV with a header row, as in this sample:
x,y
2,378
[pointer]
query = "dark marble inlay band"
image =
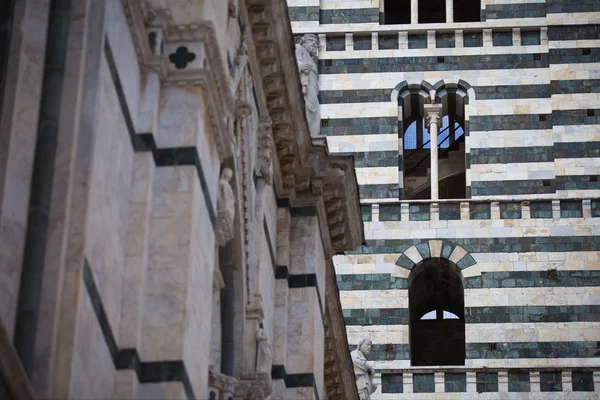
x,y
303,13
422,64
506,11
577,149
577,182
509,155
487,280
494,188
147,372
575,86
481,315
512,350
536,244
349,16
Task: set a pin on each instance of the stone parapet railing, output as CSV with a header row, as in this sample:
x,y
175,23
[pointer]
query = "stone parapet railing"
x,y
448,210
442,37
547,382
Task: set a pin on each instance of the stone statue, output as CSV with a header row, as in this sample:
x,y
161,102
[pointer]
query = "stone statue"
x,y
306,57
363,370
225,208
264,359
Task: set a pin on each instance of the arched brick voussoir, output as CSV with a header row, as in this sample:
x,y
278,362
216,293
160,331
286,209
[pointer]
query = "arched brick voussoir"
x,y
439,249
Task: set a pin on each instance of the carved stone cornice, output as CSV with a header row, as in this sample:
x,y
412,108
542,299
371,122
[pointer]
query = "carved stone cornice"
x,y
304,171
213,76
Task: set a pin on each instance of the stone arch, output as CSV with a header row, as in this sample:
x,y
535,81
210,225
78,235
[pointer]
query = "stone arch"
x,y
459,86
406,88
437,248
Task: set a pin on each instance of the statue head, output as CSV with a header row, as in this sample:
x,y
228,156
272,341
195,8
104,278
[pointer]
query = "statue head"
x,y
364,346
310,42
226,174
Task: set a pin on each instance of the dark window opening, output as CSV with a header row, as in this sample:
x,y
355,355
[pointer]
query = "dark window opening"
x,y
594,178
396,12
537,57
436,313
324,123
487,382
467,11
328,63
492,346
545,182
542,117
440,60
590,113
550,381
583,381
432,11
586,52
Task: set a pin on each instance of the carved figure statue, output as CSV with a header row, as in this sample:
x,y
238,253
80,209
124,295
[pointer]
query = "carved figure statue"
x,y
363,370
306,56
264,359
225,208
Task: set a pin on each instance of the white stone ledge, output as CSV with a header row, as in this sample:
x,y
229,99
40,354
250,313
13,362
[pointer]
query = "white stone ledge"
x,y
489,77
539,296
423,28
488,333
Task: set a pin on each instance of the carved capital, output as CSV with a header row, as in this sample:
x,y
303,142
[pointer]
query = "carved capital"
x,y
433,113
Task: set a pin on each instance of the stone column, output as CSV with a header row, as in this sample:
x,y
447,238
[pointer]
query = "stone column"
x,y
433,112
567,381
449,11
503,381
414,11
471,382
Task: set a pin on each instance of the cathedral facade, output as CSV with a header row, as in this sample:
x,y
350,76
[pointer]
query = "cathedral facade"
x,y
167,222
480,276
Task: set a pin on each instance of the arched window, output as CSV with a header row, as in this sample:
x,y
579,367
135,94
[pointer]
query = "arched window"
x,y
436,312
417,148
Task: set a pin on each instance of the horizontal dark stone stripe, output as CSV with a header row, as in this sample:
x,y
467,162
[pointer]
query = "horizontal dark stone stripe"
x,y
487,280
422,64
380,191
490,245
129,359
389,352
577,150
480,315
364,159
511,92
577,182
349,16
509,122
508,155
481,92
575,86
573,32
359,126
573,56
574,117
571,6
303,13
493,188
505,11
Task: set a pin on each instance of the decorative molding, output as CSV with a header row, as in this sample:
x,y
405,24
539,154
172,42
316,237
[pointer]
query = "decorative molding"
x,y
213,77
306,174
